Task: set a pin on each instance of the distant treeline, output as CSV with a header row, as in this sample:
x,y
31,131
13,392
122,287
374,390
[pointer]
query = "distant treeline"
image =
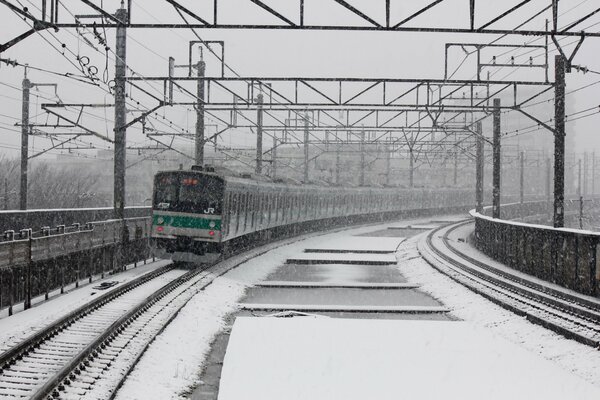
x,y
50,185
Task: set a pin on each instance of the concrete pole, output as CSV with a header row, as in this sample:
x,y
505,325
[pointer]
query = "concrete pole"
x,y
496,161
388,164
559,141
6,193
120,115
479,168
274,157
24,141
522,178
579,188
361,176
199,158
548,178
259,133
455,178
306,150
585,173
411,169
593,174
337,163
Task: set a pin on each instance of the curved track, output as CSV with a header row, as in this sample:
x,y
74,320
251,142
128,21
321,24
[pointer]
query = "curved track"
x,y
565,312
25,367
90,352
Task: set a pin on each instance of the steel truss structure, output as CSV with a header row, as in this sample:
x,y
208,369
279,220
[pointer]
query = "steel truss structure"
x,y
404,114
382,15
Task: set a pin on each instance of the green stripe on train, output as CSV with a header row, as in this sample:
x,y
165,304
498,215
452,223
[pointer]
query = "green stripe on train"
x,y
186,222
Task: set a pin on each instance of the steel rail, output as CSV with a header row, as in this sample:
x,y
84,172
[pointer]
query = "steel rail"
x,y
20,350
497,286
77,364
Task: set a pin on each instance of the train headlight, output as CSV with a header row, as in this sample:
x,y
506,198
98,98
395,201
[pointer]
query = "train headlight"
x,y
211,233
212,224
160,229
160,220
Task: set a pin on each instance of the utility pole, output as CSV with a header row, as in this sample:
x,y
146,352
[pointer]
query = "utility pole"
x,y
548,178
274,156
6,193
579,189
361,177
593,173
306,147
559,141
259,133
496,161
455,180
522,178
199,159
585,173
388,164
337,163
24,141
411,169
479,169
120,114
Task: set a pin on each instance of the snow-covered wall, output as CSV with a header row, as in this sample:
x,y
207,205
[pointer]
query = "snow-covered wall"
x,y
568,257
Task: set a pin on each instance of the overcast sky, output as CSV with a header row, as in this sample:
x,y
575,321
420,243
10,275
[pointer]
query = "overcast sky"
x,y
279,53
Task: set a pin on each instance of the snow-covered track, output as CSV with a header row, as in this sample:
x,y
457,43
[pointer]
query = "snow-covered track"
x,y
24,366
565,312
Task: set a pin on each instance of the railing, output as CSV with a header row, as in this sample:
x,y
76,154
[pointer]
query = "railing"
x,y
567,257
37,219
35,264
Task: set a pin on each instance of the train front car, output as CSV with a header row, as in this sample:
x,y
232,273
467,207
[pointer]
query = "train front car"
x,y
187,215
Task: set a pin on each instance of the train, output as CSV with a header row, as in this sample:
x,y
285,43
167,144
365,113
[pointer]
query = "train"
x,y
202,213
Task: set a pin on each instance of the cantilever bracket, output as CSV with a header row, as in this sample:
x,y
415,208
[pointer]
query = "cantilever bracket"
x,y
562,53
37,26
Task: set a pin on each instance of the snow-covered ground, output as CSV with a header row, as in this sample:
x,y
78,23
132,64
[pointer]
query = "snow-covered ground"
x,y
174,361
172,364
22,324
322,358
569,355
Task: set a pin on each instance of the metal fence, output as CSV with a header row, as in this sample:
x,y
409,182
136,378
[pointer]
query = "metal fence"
x,y
36,264
567,257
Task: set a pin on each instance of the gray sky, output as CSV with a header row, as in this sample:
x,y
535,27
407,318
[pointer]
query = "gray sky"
x,y
280,53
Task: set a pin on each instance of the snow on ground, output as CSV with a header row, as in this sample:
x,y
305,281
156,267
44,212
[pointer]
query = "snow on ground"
x,y
358,244
330,358
341,258
172,364
582,360
20,325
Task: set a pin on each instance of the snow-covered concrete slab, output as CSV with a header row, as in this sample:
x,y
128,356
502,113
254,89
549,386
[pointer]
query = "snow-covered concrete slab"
x,y
343,308
416,226
336,273
323,358
342,258
354,244
347,285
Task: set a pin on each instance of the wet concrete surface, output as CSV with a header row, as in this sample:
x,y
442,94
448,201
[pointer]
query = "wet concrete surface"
x,y
329,273
336,273
392,233
335,296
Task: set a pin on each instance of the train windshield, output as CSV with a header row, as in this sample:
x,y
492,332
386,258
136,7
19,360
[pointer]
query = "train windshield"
x,y
188,192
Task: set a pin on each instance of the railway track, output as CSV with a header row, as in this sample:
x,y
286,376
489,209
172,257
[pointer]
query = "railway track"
x,y
90,352
573,316
26,366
